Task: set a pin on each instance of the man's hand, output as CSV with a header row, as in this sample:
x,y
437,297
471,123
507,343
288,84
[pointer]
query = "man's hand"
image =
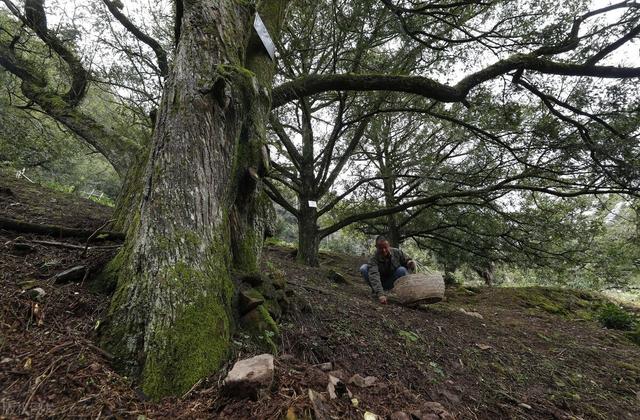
x,y
411,265
382,299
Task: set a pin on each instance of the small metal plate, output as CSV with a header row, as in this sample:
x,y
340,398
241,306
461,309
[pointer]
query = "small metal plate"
x,y
258,25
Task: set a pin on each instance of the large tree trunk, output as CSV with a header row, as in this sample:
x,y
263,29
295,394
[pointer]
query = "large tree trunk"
x,y
198,206
393,231
308,235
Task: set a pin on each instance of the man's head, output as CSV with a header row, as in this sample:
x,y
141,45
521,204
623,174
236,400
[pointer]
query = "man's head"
x,y
382,245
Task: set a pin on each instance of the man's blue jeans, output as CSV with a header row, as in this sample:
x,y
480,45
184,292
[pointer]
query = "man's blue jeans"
x,y
387,283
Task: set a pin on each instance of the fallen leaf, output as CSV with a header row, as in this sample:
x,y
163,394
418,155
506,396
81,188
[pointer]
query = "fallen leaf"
x,y
291,414
473,314
483,346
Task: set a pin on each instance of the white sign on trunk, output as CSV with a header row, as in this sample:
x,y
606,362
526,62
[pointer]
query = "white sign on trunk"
x,y
313,204
263,33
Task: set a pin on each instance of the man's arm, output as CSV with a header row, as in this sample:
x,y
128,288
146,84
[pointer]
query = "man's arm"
x,y
374,277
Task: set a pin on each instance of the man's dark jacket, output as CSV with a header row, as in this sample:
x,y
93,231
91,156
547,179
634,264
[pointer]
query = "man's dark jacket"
x,y
379,266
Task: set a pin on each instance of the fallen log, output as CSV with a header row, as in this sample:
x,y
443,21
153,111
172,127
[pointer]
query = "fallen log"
x,y
73,246
58,231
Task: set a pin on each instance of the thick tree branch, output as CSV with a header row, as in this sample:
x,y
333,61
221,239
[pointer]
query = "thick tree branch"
x,y
429,88
325,184
161,54
116,149
273,193
507,184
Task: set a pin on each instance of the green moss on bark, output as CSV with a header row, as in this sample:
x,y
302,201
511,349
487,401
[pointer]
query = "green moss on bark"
x,y
195,346
261,328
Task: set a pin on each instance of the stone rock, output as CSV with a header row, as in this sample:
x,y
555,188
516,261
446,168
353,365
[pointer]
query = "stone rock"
x,y
278,280
450,396
432,410
325,367
369,381
259,324
317,402
337,389
249,300
358,381
72,274
336,277
399,415
37,293
370,416
473,314
254,279
424,416
21,248
338,373
268,291
274,309
362,382
250,377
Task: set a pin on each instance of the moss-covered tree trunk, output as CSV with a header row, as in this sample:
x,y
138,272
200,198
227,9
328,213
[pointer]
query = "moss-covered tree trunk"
x,y
308,235
198,211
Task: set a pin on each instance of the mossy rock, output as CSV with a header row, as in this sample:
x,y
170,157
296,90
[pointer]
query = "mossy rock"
x,y
267,290
277,277
274,309
248,300
278,280
260,325
286,305
254,279
337,277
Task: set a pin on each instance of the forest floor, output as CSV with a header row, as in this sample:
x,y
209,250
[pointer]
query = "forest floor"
x,y
534,353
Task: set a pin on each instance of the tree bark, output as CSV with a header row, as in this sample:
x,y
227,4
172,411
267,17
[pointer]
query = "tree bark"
x,y
390,200
308,235
200,209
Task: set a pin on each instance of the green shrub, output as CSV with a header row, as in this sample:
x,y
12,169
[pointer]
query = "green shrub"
x,y
613,316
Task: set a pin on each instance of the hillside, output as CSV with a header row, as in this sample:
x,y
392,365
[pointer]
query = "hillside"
x,y
512,353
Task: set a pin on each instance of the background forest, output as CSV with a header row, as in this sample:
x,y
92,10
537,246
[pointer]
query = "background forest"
x,y
370,152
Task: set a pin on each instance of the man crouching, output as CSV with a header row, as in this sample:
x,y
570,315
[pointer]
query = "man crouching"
x,y
385,267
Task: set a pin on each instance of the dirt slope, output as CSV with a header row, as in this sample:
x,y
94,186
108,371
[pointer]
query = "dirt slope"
x,y
535,353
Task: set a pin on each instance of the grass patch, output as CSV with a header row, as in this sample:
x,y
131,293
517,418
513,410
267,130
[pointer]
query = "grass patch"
x,y
614,317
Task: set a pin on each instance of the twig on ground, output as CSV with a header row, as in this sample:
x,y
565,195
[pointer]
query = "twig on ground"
x,y
51,368
304,286
86,246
